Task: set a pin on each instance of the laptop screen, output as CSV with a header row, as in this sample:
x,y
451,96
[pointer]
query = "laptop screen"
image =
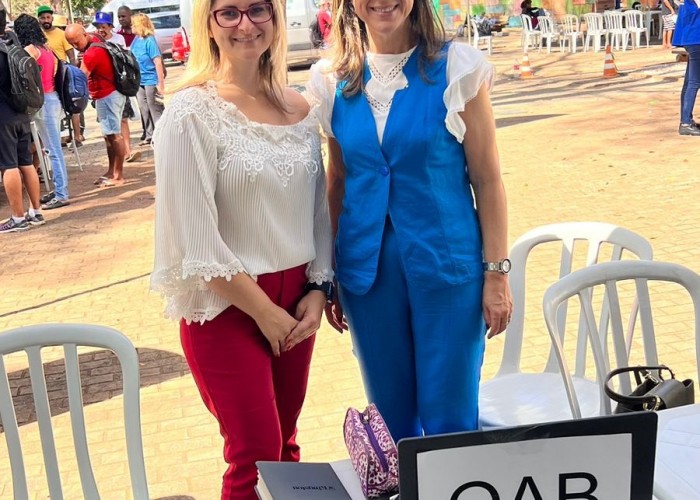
x,y
589,459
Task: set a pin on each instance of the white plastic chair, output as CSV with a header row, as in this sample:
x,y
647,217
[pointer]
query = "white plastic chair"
x,y
595,30
572,32
634,20
487,39
677,454
548,32
529,36
516,398
608,275
32,339
618,34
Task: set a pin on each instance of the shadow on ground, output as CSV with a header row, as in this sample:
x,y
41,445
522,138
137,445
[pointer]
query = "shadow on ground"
x,y
101,378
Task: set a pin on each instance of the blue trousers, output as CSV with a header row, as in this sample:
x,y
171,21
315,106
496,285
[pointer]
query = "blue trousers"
x,y
691,83
420,351
48,123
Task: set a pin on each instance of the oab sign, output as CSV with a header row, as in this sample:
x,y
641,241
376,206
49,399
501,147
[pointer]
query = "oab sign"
x,y
565,468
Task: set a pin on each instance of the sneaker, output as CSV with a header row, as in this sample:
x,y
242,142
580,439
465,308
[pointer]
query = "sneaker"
x,y
35,220
688,129
55,203
48,197
10,226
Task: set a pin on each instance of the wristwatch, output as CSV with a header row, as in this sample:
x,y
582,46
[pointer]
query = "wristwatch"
x,y
325,287
502,266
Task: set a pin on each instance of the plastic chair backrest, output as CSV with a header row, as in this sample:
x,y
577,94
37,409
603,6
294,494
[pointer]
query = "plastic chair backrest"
x,y
31,340
545,24
613,20
596,234
594,22
609,274
527,22
634,19
571,23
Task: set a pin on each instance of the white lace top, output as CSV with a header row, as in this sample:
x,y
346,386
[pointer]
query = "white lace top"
x,y
232,196
467,71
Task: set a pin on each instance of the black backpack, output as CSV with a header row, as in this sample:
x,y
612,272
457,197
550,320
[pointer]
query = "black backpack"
x,y
315,34
127,75
26,92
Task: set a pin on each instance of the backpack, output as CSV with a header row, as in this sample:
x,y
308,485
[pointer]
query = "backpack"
x,y
26,92
484,28
72,88
127,75
315,34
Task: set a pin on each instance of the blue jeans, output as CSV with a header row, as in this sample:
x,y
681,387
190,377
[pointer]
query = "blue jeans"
x,y
109,113
691,84
48,122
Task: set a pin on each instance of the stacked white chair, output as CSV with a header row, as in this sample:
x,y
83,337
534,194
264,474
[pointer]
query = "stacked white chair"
x,y
572,32
595,30
618,35
529,36
487,39
548,32
513,397
634,21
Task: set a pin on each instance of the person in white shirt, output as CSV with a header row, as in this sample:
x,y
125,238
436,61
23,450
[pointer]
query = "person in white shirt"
x,y
243,239
105,27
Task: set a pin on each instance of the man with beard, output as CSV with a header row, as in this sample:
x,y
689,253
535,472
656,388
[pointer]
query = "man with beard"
x,y
56,40
124,16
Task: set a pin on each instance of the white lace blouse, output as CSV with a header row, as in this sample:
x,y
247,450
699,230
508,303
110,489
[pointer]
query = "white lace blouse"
x,y
467,71
233,196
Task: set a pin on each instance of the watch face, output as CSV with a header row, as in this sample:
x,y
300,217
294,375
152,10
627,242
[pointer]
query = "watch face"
x,y
505,265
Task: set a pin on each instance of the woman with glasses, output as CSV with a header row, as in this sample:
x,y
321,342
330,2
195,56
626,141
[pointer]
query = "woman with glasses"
x,y
422,264
243,242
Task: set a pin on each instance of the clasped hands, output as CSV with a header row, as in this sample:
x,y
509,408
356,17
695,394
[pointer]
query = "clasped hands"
x,y
284,331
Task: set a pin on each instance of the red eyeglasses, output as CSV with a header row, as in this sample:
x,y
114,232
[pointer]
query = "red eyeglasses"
x,y
231,17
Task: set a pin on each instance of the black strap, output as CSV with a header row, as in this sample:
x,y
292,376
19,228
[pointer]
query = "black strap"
x,y
641,373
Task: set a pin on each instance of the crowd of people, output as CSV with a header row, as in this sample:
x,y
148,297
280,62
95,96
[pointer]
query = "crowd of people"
x,y
52,44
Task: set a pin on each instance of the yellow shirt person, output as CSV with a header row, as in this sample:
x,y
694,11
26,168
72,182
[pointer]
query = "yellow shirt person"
x,y
56,38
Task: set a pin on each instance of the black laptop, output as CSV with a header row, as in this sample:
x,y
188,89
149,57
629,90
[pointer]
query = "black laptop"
x,y
602,458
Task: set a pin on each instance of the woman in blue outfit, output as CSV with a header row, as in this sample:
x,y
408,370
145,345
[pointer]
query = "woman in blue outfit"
x,y
687,35
421,263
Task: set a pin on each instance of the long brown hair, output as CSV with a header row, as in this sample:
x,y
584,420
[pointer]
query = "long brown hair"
x,y
351,41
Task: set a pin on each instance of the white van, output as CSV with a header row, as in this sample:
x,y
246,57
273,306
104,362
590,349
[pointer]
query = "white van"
x,y
164,14
300,15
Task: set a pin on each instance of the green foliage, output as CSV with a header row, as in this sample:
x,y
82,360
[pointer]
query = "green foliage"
x,y
80,7
478,10
85,7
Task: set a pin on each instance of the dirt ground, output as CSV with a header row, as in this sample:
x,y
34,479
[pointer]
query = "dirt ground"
x,y
573,145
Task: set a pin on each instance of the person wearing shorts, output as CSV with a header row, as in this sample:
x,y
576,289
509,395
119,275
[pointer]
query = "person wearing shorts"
x,y
109,103
15,155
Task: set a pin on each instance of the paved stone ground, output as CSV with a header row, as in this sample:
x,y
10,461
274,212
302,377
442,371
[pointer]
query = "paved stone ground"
x,y
573,146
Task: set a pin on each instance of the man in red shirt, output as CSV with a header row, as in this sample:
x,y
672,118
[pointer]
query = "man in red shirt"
x,y
109,103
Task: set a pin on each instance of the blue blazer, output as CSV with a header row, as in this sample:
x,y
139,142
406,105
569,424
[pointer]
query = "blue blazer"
x,y
687,30
417,178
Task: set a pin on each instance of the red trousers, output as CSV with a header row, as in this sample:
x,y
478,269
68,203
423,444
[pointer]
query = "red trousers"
x,y
256,397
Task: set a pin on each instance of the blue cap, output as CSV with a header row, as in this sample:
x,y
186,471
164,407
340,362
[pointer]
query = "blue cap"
x,y
103,18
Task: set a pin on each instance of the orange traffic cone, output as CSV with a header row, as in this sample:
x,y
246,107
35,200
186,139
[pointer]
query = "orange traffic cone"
x,y
525,70
609,69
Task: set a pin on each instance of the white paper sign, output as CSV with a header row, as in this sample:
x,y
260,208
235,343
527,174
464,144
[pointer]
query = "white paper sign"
x,y
580,467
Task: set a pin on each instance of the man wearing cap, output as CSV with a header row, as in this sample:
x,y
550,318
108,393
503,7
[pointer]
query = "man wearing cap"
x,y
56,38
109,102
105,27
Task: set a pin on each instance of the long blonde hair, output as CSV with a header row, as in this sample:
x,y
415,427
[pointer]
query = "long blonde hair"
x,y
351,41
205,57
142,26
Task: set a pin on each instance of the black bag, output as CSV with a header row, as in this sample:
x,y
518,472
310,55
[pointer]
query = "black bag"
x,y
127,74
484,28
315,34
652,393
26,93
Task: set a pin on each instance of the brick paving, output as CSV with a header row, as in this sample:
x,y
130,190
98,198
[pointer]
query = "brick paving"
x,y
573,147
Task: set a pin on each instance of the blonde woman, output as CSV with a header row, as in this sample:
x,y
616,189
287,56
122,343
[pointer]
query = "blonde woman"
x,y
243,241
150,95
422,265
